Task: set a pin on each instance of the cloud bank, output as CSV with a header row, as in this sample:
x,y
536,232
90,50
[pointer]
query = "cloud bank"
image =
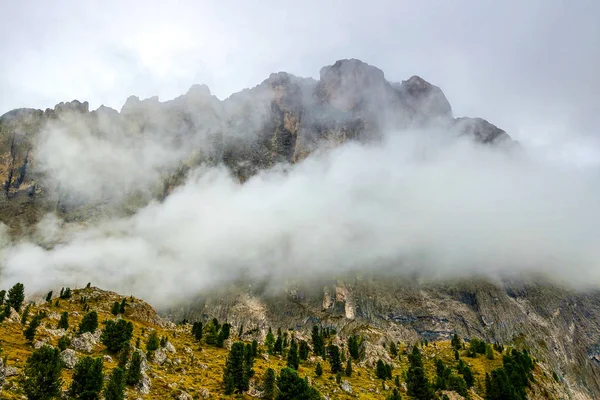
x,y
416,201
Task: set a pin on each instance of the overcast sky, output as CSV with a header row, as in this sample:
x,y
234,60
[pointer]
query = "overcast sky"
x,y
530,67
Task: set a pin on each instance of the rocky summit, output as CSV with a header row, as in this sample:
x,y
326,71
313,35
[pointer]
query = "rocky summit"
x,y
551,331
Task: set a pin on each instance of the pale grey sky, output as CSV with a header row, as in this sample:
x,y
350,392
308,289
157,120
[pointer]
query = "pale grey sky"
x,y
530,67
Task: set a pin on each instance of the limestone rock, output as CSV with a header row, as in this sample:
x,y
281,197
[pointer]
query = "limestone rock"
x,y
204,393
159,357
11,371
346,387
69,358
170,348
144,384
107,358
14,316
184,396
84,343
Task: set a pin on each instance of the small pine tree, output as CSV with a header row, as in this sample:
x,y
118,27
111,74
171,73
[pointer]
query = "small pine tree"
x,y
31,329
397,381
115,308
197,330
293,359
116,335
122,306
43,374
16,296
64,321
278,347
115,388
319,370
254,348
64,342
236,367
134,372
153,342
88,379
269,384
489,353
2,297
124,358
270,341
49,297
89,284
163,341
417,384
303,350
393,350
318,342
291,387
456,355
25,314
223,335
211,332
65,293
395,395
229,383
89,322
334,358
456,342
57,303
348,370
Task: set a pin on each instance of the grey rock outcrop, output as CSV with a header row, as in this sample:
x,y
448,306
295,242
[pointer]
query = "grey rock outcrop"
x,y
69,358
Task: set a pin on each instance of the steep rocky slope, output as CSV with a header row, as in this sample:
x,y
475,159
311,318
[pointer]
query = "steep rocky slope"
x,y
185,368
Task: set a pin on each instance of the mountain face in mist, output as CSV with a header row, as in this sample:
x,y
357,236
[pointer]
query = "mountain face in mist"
x,y
282,120
69,170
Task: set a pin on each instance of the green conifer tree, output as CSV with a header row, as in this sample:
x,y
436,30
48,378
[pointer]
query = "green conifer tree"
x,y
134,372
88,379
115,308
89,322
42,372
269,388
64,321
116,335
333,352
303,350
319,370
293,359
348,370
16,296
115,388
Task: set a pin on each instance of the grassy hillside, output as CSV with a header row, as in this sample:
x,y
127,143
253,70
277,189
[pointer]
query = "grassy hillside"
x,y
197,368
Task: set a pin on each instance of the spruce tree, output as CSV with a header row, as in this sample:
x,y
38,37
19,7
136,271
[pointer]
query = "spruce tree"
x,y
25,314
254,348
49,297
456,343
395,395
292,387
64,342
2,297
353,347
393,350
64,321
134,372
122,306
229,383
270,341
115,308
43,374
417,384
319,370
31,329
269,384
115,388
303,350
318,342
197,330
334,358
87,379
236,367
278,347
223,335
116,335
89,322
211,332
16,296
348,370
153,342
293,359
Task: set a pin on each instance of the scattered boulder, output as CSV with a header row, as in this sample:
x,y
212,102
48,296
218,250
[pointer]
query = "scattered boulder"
x,y
159,357
84,343
204,393
346,387
14,316
69,358
40,343
107,358
2,374
184,396
11,371
170,348
144,384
